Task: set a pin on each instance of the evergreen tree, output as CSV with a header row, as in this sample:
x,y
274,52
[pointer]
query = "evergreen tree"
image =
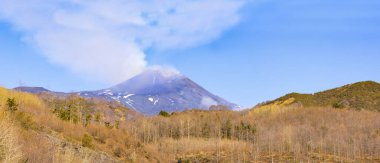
x,y
11,104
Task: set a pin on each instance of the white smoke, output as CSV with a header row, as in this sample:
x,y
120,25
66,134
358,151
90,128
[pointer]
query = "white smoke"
x,y
165,71
207,102
108,38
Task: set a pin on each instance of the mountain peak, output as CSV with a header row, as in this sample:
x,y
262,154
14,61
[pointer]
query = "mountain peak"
x,y
158,89
148,80
162,71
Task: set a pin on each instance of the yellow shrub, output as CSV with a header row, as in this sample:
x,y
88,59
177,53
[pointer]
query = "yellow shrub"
x,y
24,100
276,107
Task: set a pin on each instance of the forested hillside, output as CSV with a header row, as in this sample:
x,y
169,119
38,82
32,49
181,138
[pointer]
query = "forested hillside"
x,y
46,128
361,95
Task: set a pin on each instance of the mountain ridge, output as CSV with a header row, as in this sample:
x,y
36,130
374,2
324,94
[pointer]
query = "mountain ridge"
x,y
359,95
34,90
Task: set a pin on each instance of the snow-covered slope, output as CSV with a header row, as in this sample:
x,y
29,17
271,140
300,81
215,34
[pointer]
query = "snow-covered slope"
x,y
160,89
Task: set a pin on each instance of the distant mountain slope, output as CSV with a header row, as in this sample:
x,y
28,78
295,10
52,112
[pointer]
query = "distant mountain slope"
x,y
361,95
41,90
34,90
156,90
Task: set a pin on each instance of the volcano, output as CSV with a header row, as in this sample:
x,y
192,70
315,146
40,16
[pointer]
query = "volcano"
x,y
160,89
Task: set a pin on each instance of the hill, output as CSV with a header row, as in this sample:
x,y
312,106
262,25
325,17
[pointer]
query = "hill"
x,y
362,95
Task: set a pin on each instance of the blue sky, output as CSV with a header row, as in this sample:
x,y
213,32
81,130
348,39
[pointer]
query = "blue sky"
x,y
276,47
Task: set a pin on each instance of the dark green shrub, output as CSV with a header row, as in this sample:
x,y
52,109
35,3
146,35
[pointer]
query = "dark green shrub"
x,y
337,105
117,124
98,116
68,114
164,113
87,141
11,104
88,119
227,129
108,125
118,152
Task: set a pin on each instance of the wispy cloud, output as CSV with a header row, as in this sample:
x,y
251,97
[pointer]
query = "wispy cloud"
x,y
107,39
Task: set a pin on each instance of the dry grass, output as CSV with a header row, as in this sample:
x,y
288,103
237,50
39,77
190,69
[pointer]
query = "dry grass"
x,y
199,149
47,148
9,146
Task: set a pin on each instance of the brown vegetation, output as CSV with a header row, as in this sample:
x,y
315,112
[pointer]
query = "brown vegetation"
x,y
357,96
73,129
9,142
284,134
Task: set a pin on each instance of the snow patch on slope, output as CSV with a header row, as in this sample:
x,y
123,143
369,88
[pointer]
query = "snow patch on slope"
x,y
129,95
155,101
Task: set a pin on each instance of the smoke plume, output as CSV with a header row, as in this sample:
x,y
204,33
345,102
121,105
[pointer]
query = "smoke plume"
x,y
108,38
